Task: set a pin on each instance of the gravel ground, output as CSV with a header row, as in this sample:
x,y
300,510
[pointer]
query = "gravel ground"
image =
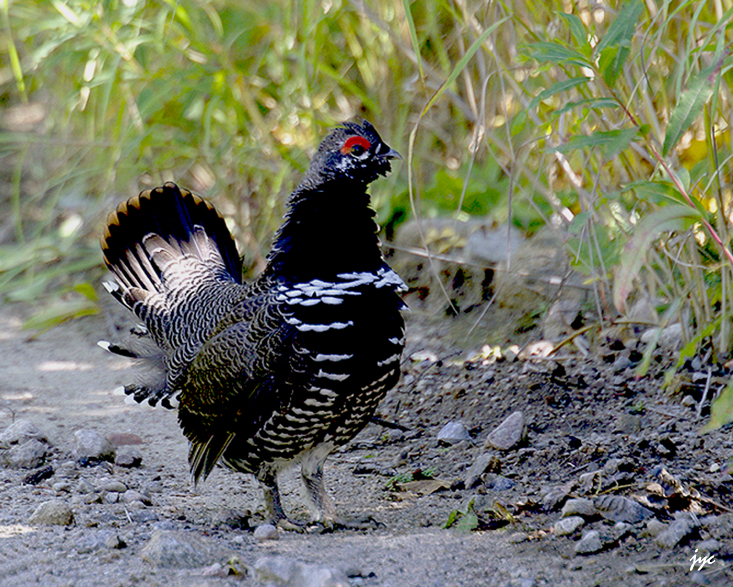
x,y
597,477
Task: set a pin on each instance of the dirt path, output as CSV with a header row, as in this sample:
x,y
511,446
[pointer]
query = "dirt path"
x,y
62,382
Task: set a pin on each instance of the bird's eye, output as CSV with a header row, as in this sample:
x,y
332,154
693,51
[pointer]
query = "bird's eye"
x,y
355,146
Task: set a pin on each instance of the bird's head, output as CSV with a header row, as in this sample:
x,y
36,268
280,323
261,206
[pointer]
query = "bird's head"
x,y
352,152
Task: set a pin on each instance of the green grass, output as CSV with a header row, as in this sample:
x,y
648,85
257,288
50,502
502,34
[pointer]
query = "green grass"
x,y
612,124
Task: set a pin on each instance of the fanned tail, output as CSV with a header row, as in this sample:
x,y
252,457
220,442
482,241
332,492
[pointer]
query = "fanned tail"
x,y
166,247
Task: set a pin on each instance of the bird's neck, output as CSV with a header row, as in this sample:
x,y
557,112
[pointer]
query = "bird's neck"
x,y
327,231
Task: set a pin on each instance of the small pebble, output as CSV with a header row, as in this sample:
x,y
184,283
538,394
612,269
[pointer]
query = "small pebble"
x,y
128,457
579,507
508,434
590,543
452,433
711,545
116,486
654,527
131,495
61,487
567,526
675,533
265,532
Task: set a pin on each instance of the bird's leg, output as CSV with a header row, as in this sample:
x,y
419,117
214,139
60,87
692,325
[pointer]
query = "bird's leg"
x,y
318,500
267,476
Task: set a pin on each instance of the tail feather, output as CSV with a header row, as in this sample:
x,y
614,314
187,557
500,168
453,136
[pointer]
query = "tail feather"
x,y
152,229
173,257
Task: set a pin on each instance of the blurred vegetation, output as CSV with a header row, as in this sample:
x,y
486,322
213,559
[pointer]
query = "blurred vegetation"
x,y
608,120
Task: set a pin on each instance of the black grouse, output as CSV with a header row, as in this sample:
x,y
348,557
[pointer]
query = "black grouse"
x,y
287,368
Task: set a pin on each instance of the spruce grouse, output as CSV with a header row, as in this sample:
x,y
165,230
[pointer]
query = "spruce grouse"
x,y
284,369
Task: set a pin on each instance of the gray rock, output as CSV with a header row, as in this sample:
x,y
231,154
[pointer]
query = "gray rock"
x,y
590,543
100,540
567,526
116,486
152,487
627,424
517,537
579,507
93,448
622,509
654,527
711,546
61,487
478,468
84,486
508,434
277,571
21,431
555,498
452,433
676,532
265,532
499,482
131,495
27,455
54,512
128,457
111,497
175,549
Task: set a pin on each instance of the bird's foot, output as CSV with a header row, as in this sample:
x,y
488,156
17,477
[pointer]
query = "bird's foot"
x,y
352,523
289,525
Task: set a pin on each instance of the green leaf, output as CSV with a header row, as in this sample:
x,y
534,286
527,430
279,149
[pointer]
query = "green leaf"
x,y
468,522
622,28
556,88
519,122
413,36
671,218
592,103
721,411
577,28
557,53
656,192
612,142
611,63
689,107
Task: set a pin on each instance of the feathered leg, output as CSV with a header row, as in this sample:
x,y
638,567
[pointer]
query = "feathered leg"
x,y
315,495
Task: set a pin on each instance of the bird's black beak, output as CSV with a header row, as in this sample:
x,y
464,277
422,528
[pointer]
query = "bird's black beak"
x,y
390,154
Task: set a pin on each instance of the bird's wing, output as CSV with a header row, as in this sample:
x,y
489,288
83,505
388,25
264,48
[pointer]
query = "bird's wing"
x,y
242,375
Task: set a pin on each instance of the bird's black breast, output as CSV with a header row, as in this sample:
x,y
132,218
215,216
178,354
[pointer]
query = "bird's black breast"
x,y
348,337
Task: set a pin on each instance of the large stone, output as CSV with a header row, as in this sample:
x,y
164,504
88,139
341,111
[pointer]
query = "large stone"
x,y
483,463
590,543
278,571
508,434
27,455
579,507
621,509
175,549
452,433
676,533
54,512
93,448
21,431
